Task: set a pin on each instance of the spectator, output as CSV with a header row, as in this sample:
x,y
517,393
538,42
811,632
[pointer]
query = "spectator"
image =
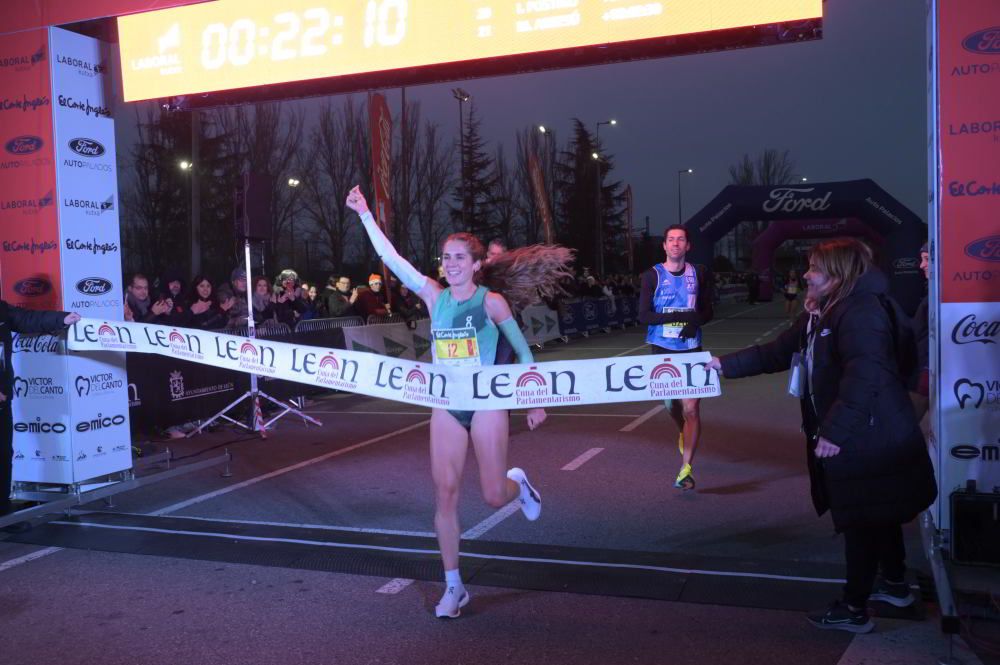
x,y
263,301
372,302
289,305
204,312
409,306
340,296
496,247
237,288
138,301
315,307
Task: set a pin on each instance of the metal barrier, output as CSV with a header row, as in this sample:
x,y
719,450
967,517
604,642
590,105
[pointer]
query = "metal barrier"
x,y
329,324
377,320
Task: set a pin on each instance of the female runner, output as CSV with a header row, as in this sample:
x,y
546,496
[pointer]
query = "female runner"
x,y
466,320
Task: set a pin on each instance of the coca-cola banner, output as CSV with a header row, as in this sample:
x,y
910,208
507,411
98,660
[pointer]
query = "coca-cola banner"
x,y
897,230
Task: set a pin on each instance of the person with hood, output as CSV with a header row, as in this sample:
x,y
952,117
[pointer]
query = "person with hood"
x,y
233,298
289,303
17,320
867,459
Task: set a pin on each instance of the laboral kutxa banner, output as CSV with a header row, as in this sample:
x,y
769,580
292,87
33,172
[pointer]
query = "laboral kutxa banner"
x,y
561,383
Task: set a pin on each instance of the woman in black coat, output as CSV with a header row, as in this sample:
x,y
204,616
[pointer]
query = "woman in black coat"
x,y
867,458
203,311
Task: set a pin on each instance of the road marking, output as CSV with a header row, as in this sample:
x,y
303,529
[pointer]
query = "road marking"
x,y
764,336
7,565
322,527
279,472
493,557
582,459
394,586
643,418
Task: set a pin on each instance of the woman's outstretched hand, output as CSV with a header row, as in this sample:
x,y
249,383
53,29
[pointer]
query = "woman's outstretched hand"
x,y
356,201
536,417
715,364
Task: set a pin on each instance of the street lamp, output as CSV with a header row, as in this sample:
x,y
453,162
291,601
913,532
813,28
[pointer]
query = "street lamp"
x,y
680,172
462,96
185,165
599,217
293,182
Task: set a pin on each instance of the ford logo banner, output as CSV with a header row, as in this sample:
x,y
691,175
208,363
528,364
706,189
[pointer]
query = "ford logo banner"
x,y
23,145
86,147
32,287
984,249
984,42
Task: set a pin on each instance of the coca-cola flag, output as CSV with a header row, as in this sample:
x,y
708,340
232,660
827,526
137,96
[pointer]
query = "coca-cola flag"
x,y
381,132
541,198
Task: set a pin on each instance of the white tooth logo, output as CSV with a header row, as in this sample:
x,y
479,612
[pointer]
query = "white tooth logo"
x,y
964,396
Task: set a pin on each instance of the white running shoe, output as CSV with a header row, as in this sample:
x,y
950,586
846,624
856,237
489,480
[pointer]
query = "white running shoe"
x,y
530,499
451,604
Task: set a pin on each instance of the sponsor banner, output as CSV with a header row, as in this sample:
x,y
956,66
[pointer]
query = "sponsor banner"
x,y
392,339
43,449
540,324
29,247
969,396
969,131
380,121
595,381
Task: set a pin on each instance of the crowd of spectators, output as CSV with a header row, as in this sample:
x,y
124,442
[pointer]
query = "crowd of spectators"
x,y
205,304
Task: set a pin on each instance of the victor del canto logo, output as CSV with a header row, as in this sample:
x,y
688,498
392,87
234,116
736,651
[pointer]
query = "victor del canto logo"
x,y
101,383
972,395
43,387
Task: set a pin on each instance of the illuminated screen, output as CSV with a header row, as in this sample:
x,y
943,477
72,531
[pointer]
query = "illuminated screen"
x,y
231,44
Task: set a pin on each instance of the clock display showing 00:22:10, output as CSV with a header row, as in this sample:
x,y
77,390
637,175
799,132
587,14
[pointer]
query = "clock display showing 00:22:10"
x,y
305,35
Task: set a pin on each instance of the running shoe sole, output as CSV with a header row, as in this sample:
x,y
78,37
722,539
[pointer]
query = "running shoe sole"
x,y
462,602
846,624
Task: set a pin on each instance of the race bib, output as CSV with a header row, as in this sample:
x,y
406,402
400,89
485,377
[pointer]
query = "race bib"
x,y
458,347
673,330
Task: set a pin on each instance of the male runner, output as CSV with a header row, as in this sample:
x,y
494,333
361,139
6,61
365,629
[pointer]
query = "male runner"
x,y
675,301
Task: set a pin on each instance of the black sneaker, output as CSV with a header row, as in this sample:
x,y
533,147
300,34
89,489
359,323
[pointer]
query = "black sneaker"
x,y
841,617
895,593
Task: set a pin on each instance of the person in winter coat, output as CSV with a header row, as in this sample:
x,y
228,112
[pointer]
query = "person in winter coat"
x,y
203,310
867,459
17,320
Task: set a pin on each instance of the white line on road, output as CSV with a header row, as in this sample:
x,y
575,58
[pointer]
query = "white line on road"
x,y
7,565
766,335
294,525
394,586
643,418
494,557
279,472
583,459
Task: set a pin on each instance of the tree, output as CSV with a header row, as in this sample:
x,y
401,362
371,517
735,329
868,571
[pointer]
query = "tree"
x,y
578,176
331,167
474,189
156,195
432,180
769,168
506,210
264,139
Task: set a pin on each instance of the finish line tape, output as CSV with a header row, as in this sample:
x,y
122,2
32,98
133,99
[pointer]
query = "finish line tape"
x,y
546,384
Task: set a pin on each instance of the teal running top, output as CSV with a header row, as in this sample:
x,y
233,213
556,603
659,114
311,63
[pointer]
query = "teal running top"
x,y
462,333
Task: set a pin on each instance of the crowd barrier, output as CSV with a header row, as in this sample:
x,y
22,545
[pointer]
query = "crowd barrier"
x,y
165,391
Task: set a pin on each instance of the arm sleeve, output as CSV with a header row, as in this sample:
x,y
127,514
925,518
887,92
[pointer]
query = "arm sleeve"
x,y
400,267
516,338
32,321
651,318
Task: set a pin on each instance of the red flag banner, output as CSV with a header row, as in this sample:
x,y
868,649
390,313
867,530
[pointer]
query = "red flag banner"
x,y
628,228
541,198
381,132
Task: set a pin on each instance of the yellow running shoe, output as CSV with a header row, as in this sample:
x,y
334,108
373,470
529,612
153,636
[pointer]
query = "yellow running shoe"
x,y
685,479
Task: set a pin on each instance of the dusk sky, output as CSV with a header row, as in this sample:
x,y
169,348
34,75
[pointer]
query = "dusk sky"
x,y
851,105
